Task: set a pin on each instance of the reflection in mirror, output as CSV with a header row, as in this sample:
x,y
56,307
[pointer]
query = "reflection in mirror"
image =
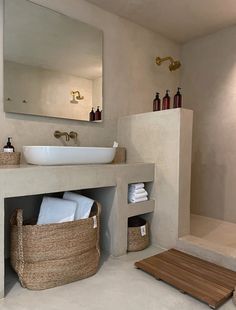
x,y
52,63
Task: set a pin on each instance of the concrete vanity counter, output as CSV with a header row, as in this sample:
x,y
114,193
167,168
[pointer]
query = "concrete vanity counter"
x,y
30,180
106,183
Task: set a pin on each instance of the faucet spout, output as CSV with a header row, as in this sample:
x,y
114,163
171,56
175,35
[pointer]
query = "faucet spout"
x,y
58,134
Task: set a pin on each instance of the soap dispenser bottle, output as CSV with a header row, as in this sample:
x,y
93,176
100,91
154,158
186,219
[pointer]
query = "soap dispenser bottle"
x,y
92,115
166,101
177,99
157,103
98,114
8,148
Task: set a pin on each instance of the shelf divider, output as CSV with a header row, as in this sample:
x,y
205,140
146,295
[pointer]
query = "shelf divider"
x,y
140,207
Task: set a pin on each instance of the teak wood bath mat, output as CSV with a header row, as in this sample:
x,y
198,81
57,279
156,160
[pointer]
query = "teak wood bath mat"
x,y
205,281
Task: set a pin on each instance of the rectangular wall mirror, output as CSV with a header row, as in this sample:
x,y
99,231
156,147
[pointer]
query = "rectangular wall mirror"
x,y
52,63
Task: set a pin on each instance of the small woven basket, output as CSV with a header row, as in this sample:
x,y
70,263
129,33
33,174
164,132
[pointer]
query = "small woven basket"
x,y
50,255
138,234
9,158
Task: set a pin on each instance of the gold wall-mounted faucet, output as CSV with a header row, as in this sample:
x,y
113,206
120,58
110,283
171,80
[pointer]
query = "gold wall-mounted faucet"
x,y
58,134
72,135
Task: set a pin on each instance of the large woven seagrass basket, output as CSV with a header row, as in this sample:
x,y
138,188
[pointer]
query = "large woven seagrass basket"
x,y
50,255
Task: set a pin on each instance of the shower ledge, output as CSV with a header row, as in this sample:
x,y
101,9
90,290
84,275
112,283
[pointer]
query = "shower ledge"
x,y
219,254
211,239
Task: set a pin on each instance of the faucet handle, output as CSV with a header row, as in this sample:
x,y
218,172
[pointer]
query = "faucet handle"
x,y
73,135
57,134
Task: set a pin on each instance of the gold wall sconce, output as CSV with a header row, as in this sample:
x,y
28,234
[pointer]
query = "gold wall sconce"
x,y
174,64
76,96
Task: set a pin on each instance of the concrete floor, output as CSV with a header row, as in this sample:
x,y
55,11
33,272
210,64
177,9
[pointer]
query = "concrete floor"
x,y
117,285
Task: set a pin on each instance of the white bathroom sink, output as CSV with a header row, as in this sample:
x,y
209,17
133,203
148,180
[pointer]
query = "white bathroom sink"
x,y
66,155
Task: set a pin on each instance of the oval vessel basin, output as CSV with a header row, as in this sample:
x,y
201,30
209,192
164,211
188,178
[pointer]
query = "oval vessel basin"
x,y
66,155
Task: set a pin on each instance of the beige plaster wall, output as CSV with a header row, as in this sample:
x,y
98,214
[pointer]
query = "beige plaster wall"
x,y
130,78
209,88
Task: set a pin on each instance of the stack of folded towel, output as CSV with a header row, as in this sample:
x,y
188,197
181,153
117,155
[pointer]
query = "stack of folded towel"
x,y
71,208
137,193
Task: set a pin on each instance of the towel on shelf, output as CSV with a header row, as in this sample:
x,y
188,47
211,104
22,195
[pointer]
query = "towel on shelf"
x,y
137,191
56,210
136,186
134,200
136,196
84,204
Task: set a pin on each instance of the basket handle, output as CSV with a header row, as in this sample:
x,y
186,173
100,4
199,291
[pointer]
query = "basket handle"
x,y
98,228
18,215
99,208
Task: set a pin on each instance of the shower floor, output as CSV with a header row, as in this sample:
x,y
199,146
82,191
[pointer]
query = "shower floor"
x,y
219,232
212,240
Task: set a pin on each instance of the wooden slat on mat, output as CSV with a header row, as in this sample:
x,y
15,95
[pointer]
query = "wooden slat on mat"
x,y
205,281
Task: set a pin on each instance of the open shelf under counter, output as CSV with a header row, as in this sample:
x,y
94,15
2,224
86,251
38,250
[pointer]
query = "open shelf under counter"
x,y
138,208
106,183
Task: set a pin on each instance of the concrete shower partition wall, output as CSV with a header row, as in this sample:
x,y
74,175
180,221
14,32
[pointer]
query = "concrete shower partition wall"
x,y
164,138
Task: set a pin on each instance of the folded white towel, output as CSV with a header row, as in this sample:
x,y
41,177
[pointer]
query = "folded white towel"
x,y
135,196
137,191
84,204
134,200
56,210
136,185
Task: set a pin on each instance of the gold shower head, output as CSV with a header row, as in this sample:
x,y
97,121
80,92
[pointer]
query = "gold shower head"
x,y
174,64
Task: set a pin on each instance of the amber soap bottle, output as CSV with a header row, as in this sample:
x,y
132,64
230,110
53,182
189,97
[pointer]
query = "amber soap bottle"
x,y
177,99
98,114
157,103
92,115
166,101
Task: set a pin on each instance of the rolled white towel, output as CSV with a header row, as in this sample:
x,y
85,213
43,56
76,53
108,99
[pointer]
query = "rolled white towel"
x,y
134,195
136,186
137,191
84,204
56,210
134,200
